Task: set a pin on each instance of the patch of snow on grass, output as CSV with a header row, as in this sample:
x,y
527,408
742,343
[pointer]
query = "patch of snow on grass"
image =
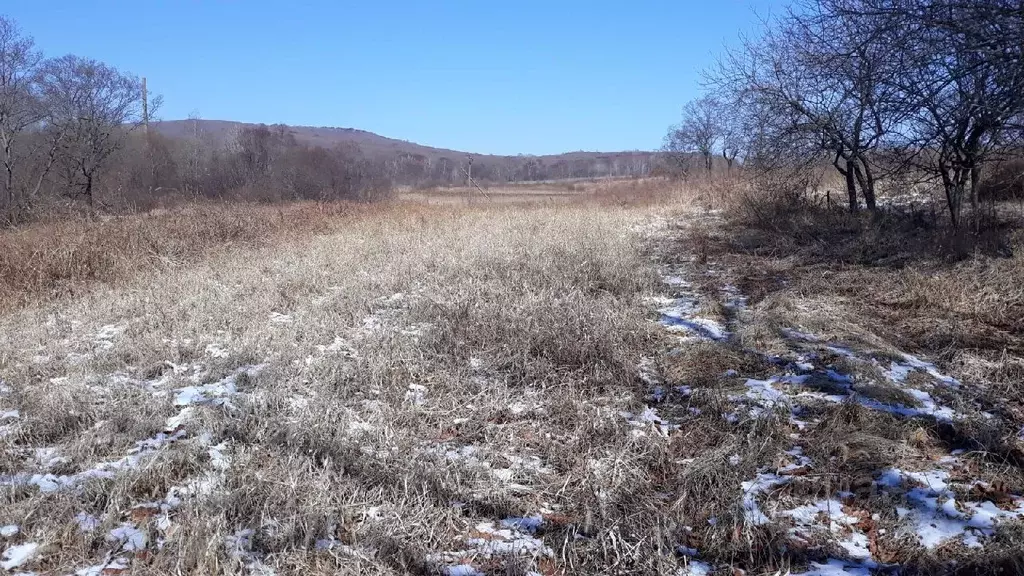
x,y
103,339
115,566
695,568
937,516
462,570
801,462
87,522
701,327
216,351
794,334
899,371
763,483
49,457
649,417
416,394
526,524
487,541
835,568
15,556
219,458
215,393
131,538
763,393
279,318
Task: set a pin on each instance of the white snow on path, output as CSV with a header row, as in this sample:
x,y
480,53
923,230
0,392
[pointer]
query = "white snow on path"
x,y
927,508
217,393
513,538
648,418
128,536
937,515
104,470
679,312
15,556
114,566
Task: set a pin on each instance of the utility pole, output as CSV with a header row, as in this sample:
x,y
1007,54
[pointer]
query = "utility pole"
x,y
145,135
145,108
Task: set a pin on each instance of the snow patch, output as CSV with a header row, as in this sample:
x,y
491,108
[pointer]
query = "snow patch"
x,y
695,568
279,318
129,536
115,566
15,556
87,522
761,484
416,394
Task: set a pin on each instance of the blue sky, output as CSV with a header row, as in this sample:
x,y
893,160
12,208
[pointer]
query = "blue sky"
x,y
518,76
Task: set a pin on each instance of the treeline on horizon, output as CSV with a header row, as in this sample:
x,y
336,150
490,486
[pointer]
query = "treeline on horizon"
x,y
75,137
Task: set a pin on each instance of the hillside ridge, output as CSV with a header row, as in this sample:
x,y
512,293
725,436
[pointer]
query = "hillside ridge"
x,y
370,142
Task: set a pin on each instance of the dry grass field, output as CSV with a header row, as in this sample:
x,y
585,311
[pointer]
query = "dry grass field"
x,y
608,190
609,386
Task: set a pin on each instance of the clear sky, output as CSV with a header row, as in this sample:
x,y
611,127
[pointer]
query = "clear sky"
x,y
515,76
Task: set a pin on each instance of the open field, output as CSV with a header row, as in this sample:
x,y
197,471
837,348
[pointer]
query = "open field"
x,y
608,190
608,386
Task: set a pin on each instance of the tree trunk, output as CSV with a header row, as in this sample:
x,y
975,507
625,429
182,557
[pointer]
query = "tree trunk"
x,y
88,192
851,185
975,185
954,188
867,185
9,181
9,190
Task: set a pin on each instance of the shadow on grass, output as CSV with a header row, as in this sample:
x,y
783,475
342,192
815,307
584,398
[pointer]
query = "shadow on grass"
x,y
891,237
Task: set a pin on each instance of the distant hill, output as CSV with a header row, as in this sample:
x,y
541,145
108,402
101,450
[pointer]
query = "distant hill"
x,y
375,146
223,130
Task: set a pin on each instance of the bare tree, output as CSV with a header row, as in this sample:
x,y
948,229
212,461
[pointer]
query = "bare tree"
x,y
817,79
697,132
960,83
94,107
733,139
19,105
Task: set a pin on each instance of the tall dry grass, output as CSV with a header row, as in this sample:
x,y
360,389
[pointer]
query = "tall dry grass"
x,y
61,256
425,371
429,370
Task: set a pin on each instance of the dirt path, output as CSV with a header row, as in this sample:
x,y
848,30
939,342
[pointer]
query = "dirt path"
x,y
852,483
